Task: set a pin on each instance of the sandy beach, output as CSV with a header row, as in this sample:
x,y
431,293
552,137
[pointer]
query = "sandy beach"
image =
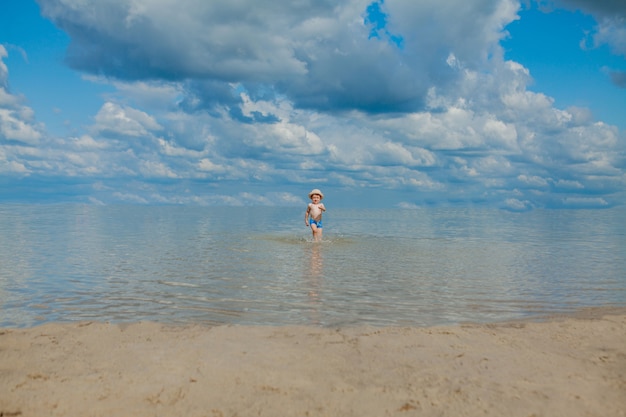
x,y
564,366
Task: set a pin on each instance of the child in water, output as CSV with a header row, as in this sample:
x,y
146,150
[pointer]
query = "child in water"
x,y
313,215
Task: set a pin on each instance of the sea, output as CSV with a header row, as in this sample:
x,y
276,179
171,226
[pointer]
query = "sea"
x,y
260,266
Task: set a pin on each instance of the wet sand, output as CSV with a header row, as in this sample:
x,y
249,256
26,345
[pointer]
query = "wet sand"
x,y
564,366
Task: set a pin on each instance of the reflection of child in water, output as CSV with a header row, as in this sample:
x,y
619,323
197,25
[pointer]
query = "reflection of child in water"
x,y
313,215
314,282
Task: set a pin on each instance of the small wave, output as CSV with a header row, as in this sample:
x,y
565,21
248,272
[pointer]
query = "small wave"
x,y
178,284
299,240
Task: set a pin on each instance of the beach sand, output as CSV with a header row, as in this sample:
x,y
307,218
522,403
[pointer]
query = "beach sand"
x,y
564,366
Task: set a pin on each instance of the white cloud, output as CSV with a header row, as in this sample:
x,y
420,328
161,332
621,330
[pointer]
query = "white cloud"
x,y
16,125
318,54
12,167
517,205
17,121
116,120
4,71
87,142
289,94
568,184
152,95
534,180
590,202
156,169
390,153
407,206
130,198
209,166
612,31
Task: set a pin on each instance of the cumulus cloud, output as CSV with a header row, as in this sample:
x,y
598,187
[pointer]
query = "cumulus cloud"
x,y
321,55
19,132
514,204
15,125
612,31
16,120
213,99
115,120
4,71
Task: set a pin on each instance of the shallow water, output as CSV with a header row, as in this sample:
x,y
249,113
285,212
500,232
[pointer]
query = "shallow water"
x,y
258,266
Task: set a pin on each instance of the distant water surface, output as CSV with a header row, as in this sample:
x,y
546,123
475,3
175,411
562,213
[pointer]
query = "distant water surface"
x,y
257,266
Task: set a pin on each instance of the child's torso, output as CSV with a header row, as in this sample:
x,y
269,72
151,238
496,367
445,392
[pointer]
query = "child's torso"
x,y
315,211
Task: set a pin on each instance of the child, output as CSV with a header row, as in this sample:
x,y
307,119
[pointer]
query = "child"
x,y
313,215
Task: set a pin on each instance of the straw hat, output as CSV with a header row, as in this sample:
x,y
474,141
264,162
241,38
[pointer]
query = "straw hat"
x,y
318,192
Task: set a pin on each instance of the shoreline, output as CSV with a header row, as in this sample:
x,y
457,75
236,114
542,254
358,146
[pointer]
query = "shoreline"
x,y
569,365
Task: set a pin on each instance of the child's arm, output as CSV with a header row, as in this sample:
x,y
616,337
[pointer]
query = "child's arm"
x,y
306,215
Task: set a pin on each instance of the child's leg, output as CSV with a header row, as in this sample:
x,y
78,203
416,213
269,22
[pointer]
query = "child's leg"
x,y
314,231
317,232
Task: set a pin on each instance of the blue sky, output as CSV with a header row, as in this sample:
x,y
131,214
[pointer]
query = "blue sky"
x,y
499,103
